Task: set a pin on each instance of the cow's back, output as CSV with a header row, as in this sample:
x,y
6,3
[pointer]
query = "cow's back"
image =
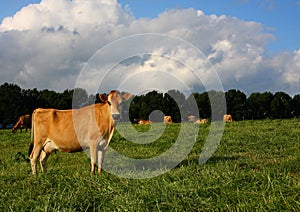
x,y
51,125
72,130
27,121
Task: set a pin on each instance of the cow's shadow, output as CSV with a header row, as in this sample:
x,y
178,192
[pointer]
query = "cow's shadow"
x,y
211,160
152,165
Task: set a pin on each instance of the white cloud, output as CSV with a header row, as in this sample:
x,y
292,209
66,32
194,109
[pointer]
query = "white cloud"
x,y
46,45
77,14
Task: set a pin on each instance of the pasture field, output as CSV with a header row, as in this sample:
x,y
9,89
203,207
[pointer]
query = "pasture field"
x,y
255,167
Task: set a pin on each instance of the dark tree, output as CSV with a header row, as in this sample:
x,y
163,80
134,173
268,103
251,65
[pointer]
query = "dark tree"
x,y
258,105
296,106
217,102
79,98
203,104
91,99
15,101
173,103
150,102
65,100
125,110
11,105
50,99
134,108
281,105
236,104
205,101
31,100
190,106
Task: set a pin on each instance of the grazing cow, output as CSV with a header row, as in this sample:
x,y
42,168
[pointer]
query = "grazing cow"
x,y
167,119
90,127
227,118
191,118
195,120
23,122
142,121
201,121
136,121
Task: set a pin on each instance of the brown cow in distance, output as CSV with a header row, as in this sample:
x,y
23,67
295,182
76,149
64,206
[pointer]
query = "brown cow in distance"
x,y
90,127
168,120
227,118
24,122
195,120
142,121
201,121
192,118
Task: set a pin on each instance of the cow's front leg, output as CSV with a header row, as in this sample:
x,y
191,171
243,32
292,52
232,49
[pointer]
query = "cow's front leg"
x,y
101,154
93,155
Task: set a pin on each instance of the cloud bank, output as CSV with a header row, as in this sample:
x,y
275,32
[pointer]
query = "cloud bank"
x,y
47,45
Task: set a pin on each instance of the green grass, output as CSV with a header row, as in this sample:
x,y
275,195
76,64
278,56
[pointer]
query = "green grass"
x,y
256,167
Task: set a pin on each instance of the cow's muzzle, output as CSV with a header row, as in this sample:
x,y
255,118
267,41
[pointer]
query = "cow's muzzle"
x,y
116,117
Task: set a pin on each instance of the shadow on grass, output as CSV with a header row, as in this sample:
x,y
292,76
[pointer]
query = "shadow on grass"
x,y
217,159
212,160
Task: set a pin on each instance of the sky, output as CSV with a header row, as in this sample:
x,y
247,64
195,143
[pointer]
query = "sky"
x,y
139,45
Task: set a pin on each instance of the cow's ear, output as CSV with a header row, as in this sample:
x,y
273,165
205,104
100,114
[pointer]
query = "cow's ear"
x,y
103,98
126,96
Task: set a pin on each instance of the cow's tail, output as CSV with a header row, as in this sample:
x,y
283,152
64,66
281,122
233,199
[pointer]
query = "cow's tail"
x,y
30,149
31,137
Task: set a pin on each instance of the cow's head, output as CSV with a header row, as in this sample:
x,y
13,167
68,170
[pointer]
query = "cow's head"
x,y
14,130
115,98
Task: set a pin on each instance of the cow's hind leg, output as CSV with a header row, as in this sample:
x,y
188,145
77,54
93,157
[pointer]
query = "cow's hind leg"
x,y
43,159
34,157
48,148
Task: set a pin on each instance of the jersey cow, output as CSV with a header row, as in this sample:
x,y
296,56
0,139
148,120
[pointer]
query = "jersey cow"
x,y
227,118
201,121
143,121
168,120
195,120
23,122
90,127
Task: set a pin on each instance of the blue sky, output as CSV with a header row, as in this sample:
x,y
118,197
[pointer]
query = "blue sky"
x,y
253,45
280,17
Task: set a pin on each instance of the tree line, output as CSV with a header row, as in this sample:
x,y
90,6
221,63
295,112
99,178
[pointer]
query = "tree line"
x,y
15,101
